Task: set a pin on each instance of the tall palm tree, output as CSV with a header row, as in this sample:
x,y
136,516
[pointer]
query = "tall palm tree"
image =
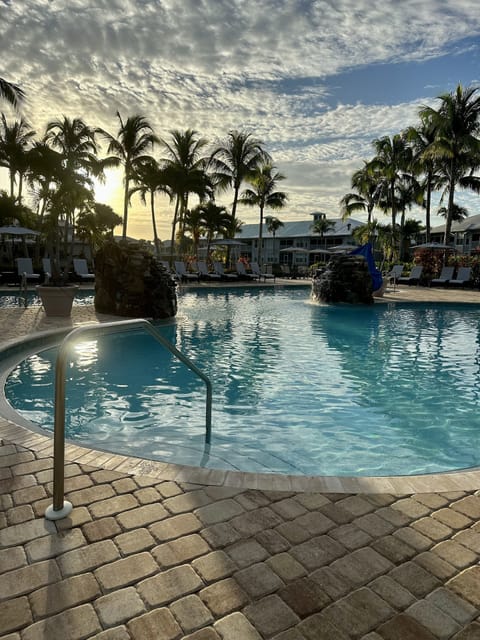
x,y
185,172
456,147
129,148
75,141
421,138
273,225
263,195
15,140
150,179
11,93
365,181
234,159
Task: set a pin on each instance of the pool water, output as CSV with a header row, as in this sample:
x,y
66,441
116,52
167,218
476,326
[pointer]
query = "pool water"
x,y
11,299
298,387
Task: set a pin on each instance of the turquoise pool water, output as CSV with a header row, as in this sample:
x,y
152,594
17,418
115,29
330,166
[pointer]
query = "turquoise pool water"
x,y
298,387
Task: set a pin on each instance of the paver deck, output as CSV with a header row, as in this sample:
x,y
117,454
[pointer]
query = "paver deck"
x,y
151,556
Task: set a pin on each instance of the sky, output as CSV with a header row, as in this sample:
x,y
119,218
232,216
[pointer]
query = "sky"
x,y
316,81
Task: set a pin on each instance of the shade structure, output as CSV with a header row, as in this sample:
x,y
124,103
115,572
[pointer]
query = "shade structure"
x,y
294,250
18,231
433,245
325,252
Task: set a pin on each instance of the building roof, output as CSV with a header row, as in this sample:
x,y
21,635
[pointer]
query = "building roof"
x,y
301,229
472,223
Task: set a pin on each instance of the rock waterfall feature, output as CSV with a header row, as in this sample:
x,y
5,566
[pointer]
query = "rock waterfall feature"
x,y
345,279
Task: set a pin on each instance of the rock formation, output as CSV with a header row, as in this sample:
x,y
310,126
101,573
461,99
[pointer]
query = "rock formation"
x,y
130,282
346,279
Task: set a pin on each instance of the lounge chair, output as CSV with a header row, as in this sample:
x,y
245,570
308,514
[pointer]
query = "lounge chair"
x,y
256,271
204,273
444,278
462,278
243,273
219,270
395,273
80,268
413,278
183,274
25,269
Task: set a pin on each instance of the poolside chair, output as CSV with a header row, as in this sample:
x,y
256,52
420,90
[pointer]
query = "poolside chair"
x,y
413,278
243,273
256,271
219,270
25,269
462,278
204,273
395,273
183,274
444,278
80,268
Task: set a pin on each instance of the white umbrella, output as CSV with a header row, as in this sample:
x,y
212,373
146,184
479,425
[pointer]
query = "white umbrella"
x,y
294,250
433,245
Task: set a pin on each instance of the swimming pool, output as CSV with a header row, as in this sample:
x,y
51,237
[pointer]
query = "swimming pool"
x,y
299,388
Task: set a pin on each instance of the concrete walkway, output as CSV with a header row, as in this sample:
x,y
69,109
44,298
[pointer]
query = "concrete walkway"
x,y
156,558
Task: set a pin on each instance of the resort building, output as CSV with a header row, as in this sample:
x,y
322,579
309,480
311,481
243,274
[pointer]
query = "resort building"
x,y
466,234
295,243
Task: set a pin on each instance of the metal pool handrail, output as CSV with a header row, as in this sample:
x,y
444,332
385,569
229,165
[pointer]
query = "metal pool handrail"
x,y
61,507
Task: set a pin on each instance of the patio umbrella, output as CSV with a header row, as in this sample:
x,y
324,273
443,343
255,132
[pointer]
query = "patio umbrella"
x,y
433,245
294,250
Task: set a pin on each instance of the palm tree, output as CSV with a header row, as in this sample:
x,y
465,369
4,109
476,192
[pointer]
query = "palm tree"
x,y
421,138
134,138
234,160
11,93
14,143
264,180
77,145
273,225
365,181
456,147
215,220
322,226
150,179
185,172
194,224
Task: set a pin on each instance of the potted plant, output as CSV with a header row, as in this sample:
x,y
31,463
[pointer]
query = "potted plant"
x,y
56,293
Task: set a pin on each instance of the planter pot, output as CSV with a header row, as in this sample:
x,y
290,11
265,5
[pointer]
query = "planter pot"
x,y
57,301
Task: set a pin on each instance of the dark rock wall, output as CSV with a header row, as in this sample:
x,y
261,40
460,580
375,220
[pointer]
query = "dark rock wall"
x,y
346,279
131,282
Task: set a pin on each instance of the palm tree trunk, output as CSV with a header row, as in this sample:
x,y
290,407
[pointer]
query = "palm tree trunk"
x,y
428,206
125,206
451,195
154,224
260,238
174,226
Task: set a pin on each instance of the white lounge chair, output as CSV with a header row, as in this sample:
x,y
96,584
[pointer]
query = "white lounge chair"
x,y
25,269
243,273
183,274
80,268
219,270
256,271
463,277
205,273
413,278
445,276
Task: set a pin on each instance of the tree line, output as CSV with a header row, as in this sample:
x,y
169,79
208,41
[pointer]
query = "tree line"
x,y
59,169
441,153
